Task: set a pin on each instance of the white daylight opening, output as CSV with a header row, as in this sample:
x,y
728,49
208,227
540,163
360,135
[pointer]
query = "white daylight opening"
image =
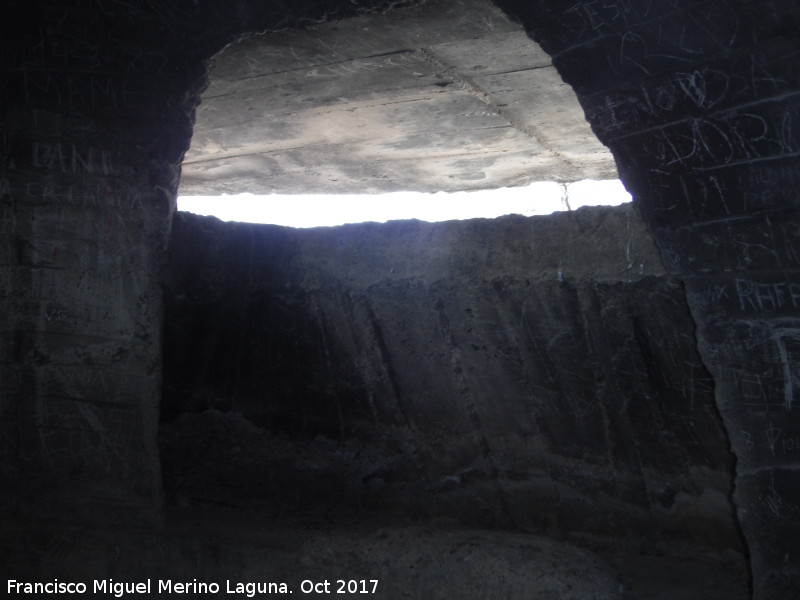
x,y
321,210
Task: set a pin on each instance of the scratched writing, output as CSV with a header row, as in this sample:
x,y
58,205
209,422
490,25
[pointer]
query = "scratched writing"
x,y
713,87
68,158
679,144
90,383
769,198
776,442
773,501
769,185
85,194
710,296
587,17
751,388
746,295
724,139
136,58
56,49
772,434
81,434
763,393
90,50
705,88
790,444
55,315
747,249
85,91
758,176
790,233
592,18
763,297
788,343
724,193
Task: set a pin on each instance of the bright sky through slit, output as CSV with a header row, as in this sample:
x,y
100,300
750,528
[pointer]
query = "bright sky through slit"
x,y
542,198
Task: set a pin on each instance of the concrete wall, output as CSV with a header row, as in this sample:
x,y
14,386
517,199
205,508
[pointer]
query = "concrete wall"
x,y
697,100
538,373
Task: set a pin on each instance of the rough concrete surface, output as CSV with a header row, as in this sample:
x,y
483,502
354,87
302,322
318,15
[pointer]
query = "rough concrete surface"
x,y
698,102
435,97
480,371
403,562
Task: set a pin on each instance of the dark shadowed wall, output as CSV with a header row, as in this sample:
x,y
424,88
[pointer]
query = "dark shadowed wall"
x,y
698,101
525,372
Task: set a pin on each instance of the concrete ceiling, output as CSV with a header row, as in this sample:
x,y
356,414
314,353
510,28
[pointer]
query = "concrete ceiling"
x,y
448,95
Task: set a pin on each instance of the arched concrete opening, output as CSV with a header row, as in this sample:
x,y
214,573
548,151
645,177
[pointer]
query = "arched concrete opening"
x,y
502,406
697,101
386,103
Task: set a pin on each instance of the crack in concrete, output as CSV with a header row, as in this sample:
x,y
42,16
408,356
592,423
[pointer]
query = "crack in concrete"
x,y
512,71
347,106
448,72
311,67
331,145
